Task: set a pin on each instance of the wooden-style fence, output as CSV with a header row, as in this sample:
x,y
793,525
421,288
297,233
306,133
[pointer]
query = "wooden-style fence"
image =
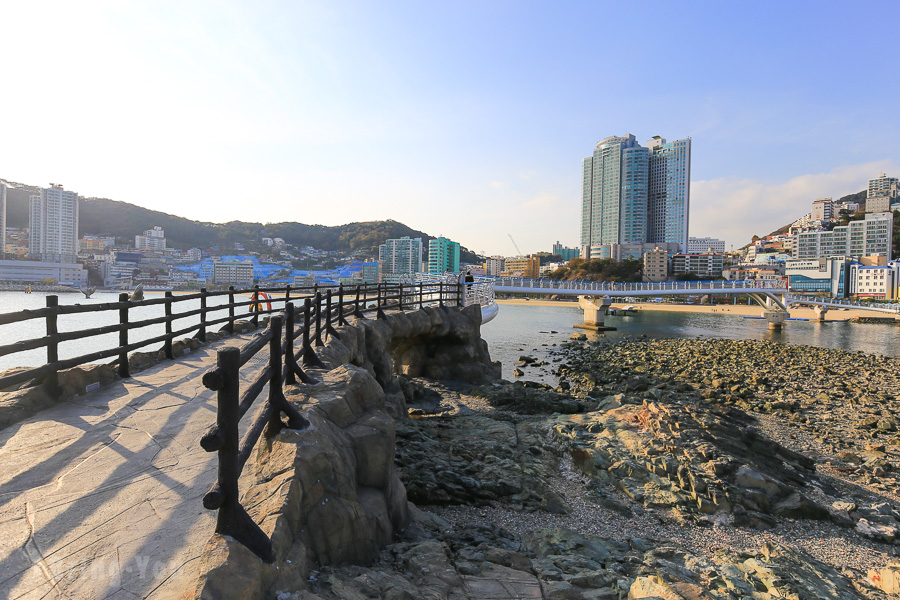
x,y
337,301
320,314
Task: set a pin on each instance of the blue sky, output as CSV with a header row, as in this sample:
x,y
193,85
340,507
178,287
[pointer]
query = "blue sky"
x,y
465,119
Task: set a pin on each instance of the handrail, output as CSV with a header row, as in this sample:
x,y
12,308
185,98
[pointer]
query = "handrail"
x,y
384,295
318,318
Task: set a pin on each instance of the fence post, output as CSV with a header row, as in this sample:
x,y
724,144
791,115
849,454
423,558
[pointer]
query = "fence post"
x,y
356,310
51,383
230,325
232,519
421,294
287,294
379,314
329,329
293,369
309,355
123,337
167,345
277,367
341,319
201,334
318,299
441,293
400,296
256,307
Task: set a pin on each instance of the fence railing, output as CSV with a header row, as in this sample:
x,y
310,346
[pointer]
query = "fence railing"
x,y
522,282
336,300
318,317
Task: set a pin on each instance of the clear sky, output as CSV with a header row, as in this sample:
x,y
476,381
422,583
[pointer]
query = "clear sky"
x,y
462,119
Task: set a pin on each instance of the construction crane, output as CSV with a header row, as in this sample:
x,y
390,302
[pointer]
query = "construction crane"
x,y
515,244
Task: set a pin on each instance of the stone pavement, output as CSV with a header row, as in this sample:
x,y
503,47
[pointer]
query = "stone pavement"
x,y
101,496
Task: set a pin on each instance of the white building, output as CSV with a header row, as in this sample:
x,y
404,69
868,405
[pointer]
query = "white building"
x,y
494,266
883,186
32,271
878,282
871,236
53,233
238,273
400,256
152,239
823,275
705,244
701,265
822,209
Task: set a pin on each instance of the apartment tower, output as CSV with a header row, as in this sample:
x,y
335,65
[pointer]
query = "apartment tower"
x,y
53,233
635,195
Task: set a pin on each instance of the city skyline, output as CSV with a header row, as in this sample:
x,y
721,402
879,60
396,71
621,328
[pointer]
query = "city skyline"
x,y
467,126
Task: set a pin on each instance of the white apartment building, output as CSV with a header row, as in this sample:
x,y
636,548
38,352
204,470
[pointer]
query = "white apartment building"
x,y
699,245
883,186
152,239
822,210
493,266
877,282
701,265
868,237
53,233
400,256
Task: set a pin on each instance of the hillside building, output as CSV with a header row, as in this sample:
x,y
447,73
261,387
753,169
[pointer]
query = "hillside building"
x,y
868,237
443,256
565,253
152,239
238,273
521,266
399,257
883,186
704,266
874,282
705,244
823,210
493,266
656,265
53,225
829,275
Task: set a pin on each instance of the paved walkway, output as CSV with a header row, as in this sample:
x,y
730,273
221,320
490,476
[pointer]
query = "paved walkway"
x,y
101,496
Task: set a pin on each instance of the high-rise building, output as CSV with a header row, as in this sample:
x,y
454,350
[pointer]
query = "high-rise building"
x,y
564,252
53,234
400,256
635,195
669,193
868,237
2,219
443,256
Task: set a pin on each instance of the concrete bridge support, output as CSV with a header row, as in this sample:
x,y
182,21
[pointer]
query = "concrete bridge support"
x,y
594,312
820,312
775,318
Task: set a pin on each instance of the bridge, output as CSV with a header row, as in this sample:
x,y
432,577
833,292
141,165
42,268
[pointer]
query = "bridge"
x,y
772,296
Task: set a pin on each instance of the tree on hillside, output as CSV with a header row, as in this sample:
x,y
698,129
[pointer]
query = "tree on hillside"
x,y
603,269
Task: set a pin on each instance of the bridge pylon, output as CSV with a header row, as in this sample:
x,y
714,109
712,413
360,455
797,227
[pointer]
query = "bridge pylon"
x,y
594,312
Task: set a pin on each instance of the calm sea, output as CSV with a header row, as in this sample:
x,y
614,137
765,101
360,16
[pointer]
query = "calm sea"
x,y
530,327
525,327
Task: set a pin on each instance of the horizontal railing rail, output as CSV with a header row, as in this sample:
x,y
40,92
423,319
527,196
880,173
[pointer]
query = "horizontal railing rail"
x,y
319,316
233,306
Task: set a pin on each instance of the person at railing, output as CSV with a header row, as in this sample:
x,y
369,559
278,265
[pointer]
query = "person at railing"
x,y
469,277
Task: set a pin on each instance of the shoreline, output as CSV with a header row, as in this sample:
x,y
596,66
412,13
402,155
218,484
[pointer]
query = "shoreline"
x,y
739,310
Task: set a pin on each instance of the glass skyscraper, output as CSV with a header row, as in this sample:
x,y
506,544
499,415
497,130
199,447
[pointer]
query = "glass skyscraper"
x,y
632,194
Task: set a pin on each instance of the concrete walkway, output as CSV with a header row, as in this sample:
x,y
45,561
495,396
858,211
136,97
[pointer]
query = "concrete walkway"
x,y
101,496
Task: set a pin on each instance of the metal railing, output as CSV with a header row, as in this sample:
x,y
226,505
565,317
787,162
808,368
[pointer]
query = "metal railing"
x,y
612,286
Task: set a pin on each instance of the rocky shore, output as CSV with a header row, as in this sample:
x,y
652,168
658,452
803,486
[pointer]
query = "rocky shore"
x,y
672,469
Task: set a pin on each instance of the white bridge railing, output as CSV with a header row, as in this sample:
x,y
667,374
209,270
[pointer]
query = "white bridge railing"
x,y
662,286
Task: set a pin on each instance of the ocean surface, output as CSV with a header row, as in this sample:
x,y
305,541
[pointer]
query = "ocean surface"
x,y
516,327
527,330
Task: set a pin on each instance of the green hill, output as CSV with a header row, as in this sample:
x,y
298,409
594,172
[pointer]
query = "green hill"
x,y
102,216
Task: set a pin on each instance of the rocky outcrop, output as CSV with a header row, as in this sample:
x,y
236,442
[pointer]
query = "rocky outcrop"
x,y
330,494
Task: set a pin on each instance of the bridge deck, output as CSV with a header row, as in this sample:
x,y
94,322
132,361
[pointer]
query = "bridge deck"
x,y
100,497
